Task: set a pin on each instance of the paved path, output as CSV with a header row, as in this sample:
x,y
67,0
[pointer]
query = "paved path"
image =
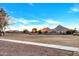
x,y
44,45
17,49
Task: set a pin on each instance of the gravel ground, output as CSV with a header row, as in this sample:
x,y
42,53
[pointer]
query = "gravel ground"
x,y
17,49
67,40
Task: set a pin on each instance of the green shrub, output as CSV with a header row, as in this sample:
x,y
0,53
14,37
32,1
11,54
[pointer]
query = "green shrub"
x,y
39,32
25,31
71,31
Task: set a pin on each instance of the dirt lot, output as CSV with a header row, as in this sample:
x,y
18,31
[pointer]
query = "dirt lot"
x,y
17,49
68,40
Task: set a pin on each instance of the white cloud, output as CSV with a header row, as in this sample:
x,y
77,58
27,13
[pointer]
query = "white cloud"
x,y
12,12
75,8
46,23
22,20
23,24
31,4
50,21
34,21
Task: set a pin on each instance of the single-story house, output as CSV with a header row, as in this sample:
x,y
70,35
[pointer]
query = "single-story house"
x,y
59,30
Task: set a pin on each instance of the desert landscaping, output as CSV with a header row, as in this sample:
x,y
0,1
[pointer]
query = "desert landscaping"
x,y
37,37
8,48
15,49
67,40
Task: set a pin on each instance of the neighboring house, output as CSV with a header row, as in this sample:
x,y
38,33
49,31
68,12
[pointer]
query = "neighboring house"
x,y
45,30
59,30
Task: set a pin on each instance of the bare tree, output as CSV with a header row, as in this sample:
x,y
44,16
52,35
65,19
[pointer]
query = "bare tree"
x,y
3,21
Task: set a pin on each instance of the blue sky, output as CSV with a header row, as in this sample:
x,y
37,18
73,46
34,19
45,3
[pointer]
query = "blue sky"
x,y
40,15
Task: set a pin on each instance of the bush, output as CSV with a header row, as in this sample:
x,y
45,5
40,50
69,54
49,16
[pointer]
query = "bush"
x,y
39,32
45,32
25,31
71,31
34,30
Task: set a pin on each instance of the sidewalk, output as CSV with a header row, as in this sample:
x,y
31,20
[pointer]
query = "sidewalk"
x,y
17,49
75,49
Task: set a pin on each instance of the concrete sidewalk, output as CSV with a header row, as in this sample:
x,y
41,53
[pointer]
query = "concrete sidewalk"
x,y
74,49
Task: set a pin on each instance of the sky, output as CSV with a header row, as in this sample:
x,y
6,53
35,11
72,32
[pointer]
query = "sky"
x,y
41,15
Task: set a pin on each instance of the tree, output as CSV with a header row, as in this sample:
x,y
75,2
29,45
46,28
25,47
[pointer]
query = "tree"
x,y
25,31
39,32
71,31
34,30
3,21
